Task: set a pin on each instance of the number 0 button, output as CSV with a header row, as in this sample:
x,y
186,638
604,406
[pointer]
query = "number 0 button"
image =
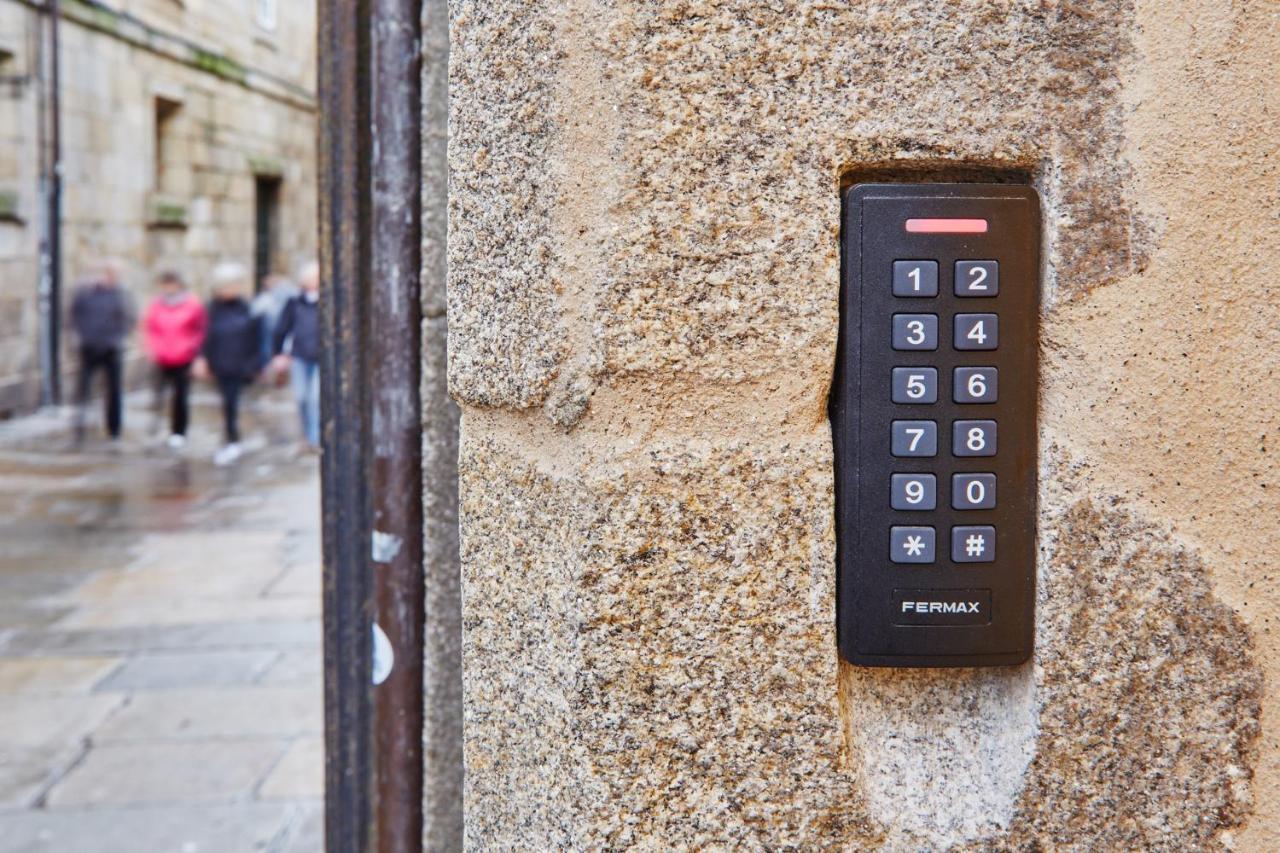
x,y
976,331
977,278
971,385
973,491
917,384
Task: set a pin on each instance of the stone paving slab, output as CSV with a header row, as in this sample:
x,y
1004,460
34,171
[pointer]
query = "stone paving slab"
x,y
300,580
169,670
234,712
299,775
25,773
54,675
188,611
151,773
38,721
269,827
296,666
239,634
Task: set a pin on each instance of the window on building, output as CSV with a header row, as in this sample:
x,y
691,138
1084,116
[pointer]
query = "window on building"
x,y
166,144
265,13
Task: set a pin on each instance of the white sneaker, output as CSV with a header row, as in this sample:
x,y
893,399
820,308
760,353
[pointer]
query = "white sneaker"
x,y
226,455
177,442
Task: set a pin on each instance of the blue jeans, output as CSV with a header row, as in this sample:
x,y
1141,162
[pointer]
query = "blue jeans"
x,y
306,390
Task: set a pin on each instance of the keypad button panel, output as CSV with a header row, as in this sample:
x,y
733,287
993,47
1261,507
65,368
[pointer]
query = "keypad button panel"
x,y
935,408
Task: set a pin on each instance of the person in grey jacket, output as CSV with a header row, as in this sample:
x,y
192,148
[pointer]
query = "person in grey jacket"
x,y
101,316
297,347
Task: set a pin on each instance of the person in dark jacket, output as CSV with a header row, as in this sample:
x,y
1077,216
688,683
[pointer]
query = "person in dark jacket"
x,y
297,346
232,351
101,316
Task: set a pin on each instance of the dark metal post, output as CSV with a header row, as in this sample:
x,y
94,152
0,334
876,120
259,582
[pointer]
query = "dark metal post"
x,y
345,230
55,209
49,135
370,149
396,353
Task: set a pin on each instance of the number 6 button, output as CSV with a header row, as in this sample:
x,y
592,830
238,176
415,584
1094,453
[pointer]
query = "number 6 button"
x,y
972,385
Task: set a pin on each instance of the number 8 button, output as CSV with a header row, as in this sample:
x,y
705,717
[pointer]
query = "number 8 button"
x,y
973,438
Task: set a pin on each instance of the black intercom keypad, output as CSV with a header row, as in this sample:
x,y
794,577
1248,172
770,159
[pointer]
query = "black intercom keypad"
x,y
934,422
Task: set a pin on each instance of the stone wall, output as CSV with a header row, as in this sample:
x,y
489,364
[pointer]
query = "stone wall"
x,y
643,282
244,107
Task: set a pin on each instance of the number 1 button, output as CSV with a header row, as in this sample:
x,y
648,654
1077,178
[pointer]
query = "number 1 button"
x,y
915,278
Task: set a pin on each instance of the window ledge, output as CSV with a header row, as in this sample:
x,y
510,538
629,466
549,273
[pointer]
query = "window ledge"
x,y
164,211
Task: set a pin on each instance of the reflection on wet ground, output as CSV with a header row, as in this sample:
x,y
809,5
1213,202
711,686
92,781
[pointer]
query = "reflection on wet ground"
x,y
159,637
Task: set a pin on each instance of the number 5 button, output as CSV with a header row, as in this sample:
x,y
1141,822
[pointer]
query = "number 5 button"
x,y
916,384
972,385
976,331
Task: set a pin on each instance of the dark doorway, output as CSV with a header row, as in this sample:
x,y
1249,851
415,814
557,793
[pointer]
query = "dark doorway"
x,y
266,228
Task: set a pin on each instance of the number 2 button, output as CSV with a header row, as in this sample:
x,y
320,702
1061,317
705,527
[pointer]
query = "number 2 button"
x,y
977,278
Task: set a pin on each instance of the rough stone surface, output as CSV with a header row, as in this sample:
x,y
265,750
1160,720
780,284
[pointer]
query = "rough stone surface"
x,y
643,303
627,665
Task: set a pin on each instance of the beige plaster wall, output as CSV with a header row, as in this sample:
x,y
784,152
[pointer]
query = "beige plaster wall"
x,y
643,294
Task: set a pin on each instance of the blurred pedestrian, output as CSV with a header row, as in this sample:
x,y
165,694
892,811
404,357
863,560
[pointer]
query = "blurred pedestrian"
x,y
101,316
232,350
173,329
297,347
269,304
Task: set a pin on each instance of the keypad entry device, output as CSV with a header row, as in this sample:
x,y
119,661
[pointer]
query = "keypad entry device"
x,y
934,422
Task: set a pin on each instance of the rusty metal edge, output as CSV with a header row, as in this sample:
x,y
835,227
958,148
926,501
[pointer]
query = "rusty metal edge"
x,y
395,349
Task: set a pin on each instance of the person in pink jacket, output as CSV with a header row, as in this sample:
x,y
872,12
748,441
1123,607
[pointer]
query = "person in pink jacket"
x,y
173,329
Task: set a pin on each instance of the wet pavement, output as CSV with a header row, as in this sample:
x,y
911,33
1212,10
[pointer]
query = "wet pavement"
x,y
160,672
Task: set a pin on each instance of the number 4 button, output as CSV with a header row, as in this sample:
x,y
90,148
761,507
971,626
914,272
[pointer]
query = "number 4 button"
x,y
976,331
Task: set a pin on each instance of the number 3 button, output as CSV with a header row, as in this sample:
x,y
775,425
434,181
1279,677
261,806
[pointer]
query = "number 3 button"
x,y
915,331
973,331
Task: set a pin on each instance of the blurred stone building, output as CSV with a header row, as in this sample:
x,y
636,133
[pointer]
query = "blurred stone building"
x,y
187,130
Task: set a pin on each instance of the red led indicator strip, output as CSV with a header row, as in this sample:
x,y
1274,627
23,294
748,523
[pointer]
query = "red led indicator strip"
x,y
947,226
